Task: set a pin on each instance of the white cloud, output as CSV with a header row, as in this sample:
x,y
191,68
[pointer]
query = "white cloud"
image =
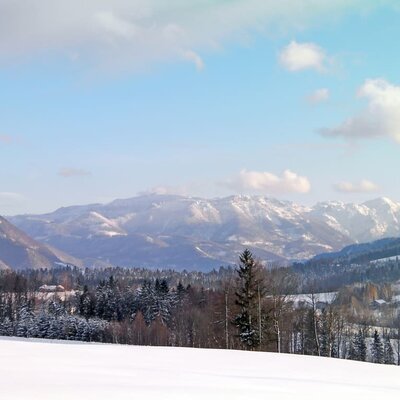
x,y
131,34
266,182
300,56
364,186
72,172
381,117
318,96
166,190
114,25
192,56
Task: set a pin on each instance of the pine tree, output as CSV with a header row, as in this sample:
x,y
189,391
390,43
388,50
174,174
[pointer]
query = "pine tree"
x,y
56,308
249,293
358,350
100,299
71,327
147,304
54,330
83,330
377,349
85,303
108,300
164,301
388,354
6,327
43,324
351,351
26,324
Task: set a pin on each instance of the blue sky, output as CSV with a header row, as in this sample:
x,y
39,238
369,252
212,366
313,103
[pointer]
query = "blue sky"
x,y
299,101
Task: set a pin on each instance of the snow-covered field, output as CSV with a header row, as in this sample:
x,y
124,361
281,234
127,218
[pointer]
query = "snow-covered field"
x,y
66,370
327,297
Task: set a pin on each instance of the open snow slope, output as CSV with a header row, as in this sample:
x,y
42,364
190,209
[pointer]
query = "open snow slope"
x,y
66,370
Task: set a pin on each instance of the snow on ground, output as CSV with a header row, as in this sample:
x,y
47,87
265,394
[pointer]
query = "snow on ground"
x,y
327,297
384,259
35,369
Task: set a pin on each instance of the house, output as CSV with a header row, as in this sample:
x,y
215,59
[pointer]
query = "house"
x,y
378,303
51,288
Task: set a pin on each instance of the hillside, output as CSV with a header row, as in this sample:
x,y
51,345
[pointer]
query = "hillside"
x,y
67,370
363,252
196,233
19,251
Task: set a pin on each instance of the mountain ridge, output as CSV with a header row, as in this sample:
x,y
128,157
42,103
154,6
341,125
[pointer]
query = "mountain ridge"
x,y
19,251
381,249
173,231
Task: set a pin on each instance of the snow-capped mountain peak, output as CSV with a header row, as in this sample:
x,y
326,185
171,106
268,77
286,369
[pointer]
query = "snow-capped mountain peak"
x,y
168,230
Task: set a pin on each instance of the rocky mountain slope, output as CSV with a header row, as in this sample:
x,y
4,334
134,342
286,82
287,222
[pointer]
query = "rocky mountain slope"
x,y
188,232
19,251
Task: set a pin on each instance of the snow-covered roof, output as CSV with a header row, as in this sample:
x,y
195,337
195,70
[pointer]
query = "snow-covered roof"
x,y
52,288
380,302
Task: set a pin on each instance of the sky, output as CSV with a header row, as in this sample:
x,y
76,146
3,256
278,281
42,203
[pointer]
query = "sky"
x,y
103,99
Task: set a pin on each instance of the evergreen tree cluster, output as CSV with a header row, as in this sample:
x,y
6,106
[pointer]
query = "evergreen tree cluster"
x,y
52,321
246,308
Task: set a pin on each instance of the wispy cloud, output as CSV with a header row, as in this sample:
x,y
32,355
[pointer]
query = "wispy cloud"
x,y
165,190
269,183
73,172
381,117
133,33
318,96
192,56
300,56
364,186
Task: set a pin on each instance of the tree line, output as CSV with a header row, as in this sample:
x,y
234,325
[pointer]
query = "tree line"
x,y
247,308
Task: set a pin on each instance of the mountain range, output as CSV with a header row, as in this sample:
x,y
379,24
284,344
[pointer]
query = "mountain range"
x,y
19,251
171,231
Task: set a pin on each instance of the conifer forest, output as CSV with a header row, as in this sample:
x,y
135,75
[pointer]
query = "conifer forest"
x,y
247,307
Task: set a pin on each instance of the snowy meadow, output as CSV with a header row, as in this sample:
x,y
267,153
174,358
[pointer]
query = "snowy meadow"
x,y
40,369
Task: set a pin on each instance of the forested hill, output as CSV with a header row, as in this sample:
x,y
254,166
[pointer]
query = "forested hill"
x,y
361,253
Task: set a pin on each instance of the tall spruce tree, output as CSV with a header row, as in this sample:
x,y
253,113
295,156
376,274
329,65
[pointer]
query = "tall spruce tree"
x,y
146,300
249,294
388,353
359,348
377,349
